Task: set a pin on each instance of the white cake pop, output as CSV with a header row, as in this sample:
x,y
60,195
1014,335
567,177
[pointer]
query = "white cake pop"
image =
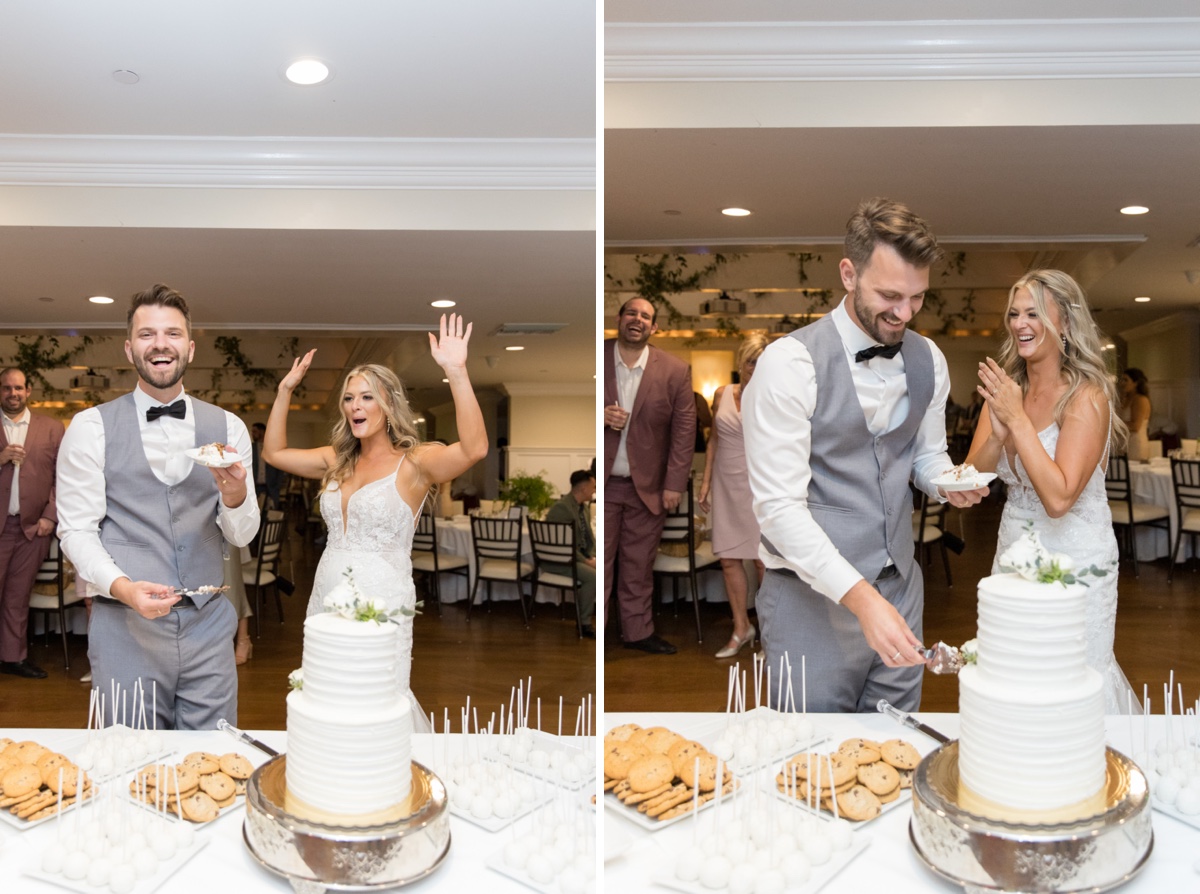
x,y
769,882
54,858
164,847
572,881
539,759
1188,801
144,863
94,847
122,879
76,866
1167,790
818,849
741,878
481,806
185,835
841,834
516,853
99,872
688,864
558,759
796,868
540,869
714,873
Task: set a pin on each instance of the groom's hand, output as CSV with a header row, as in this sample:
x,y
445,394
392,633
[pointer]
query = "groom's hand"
x,y
964,498
883,627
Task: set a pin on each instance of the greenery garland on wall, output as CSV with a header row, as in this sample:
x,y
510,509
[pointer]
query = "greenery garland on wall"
x,y
46,352
668,275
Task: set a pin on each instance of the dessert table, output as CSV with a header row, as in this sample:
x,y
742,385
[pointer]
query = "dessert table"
x,y
633,856
225,863
1151,483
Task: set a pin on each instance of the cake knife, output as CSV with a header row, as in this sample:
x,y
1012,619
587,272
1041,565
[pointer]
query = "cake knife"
x,y
906,719
246,737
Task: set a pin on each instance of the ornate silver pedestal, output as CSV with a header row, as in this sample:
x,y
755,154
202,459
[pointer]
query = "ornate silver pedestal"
x,y
315,857
1094,853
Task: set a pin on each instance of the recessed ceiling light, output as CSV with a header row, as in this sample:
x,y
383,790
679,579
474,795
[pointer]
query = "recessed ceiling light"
x,y
443,302
446,381
307,72
100,299
735,212
1134,209
1110,347
1142,299
125,76
515,348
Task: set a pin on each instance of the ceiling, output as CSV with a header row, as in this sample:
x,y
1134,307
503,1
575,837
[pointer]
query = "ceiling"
x,y
451,155
1017,136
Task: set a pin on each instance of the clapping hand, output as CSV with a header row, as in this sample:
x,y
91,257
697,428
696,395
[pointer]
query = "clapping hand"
x,y
1003,396
450,350
295,375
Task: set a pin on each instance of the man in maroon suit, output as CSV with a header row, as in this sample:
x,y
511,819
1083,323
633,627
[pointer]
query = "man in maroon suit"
x,y
649,435
28,455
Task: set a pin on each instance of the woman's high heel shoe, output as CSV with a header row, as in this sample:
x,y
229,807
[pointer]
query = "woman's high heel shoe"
x,y
243,650
735,645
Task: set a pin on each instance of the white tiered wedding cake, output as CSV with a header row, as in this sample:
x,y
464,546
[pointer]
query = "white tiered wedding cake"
x,y
1031,745
350,724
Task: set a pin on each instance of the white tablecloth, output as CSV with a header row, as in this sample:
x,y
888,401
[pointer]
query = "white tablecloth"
x,y
889,862
455,537
225,864
1152,484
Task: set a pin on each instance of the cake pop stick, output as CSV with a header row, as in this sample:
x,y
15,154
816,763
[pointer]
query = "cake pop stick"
x,y
832,790
539,713
560,716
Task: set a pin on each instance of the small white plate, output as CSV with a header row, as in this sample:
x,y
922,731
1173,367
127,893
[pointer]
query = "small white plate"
x,y
652,824
821,875
1172,811
496,863
231,457
141,886
949,483
17,823
548,743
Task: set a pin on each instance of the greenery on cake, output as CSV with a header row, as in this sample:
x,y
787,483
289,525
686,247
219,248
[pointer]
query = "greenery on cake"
x,y
346,600
296,679
1028,557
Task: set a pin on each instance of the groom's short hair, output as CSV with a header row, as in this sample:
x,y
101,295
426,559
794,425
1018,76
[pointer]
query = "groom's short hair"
x,y
881,221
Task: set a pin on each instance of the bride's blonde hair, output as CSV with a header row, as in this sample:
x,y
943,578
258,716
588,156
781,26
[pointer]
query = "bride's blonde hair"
x,y
401,423
1078,341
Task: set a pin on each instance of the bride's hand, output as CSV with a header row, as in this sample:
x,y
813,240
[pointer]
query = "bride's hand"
x,y
296,373
1003,396
450,350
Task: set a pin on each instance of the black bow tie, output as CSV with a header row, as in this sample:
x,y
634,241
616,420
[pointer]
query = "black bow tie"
x,y
177,409
888,351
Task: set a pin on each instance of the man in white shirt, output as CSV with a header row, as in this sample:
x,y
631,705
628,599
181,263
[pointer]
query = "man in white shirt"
x,y
29,445
838,419
142,522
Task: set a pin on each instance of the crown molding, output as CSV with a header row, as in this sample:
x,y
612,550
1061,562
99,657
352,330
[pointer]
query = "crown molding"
x,y
903,50
296,162
548,389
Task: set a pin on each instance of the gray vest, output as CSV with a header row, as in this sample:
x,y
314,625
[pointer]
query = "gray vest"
x,y
162,533
859,490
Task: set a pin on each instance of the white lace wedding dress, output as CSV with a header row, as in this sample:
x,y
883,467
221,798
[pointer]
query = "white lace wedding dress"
x,y
375,545
1086,535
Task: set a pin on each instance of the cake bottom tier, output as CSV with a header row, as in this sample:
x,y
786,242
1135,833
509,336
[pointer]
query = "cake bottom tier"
x,y
349,763
1034,750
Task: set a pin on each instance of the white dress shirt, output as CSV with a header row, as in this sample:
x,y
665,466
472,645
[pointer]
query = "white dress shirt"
x,y
629,380
82,502
15,430
777,408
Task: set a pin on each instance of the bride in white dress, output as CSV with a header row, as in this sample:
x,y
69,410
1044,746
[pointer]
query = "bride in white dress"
x,y
376,474
1047,429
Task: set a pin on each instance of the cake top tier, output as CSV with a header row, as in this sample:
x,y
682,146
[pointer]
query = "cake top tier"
x,y
1031,632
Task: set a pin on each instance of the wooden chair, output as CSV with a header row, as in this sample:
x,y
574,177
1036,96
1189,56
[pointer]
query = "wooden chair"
x,y
554,562
54,594
679,536
262,571
929,527
496,543
1126,512
1185,479
427,559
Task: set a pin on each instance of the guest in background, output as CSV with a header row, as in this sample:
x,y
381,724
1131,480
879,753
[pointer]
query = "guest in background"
x,y
572,507
141,520
704,424
725,492
267,479
1135,411
649,435
28,454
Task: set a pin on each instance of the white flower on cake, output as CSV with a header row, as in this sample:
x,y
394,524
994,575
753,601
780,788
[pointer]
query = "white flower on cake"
x,y
296,679
345,600
970,651
1028,557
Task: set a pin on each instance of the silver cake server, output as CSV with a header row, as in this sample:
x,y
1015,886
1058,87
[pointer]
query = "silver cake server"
x,y
943,659
906,719
241,736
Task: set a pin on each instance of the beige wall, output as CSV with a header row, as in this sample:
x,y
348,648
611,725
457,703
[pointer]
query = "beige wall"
x,y
551,420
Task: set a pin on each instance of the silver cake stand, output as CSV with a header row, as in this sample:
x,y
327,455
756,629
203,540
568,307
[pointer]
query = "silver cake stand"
x,y
316,857
1094,853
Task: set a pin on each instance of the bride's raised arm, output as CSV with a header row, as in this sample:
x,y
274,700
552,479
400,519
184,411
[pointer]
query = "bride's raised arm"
x,y
441,463
310,463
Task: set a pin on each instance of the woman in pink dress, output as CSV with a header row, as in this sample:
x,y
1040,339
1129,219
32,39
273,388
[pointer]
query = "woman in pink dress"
x,y
725,493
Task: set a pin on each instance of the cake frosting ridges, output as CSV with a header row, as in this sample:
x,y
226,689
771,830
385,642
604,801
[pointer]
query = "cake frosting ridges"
x,y
1031,711
350,726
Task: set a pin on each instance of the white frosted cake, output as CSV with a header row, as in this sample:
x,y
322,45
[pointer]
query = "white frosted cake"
x,y
350,726
1031,710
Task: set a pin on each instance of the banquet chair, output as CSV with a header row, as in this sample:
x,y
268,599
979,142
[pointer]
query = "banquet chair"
x,y
1185,479
496,543
428,559
1126,512
554,562
683,558
262,571
929,527
54,593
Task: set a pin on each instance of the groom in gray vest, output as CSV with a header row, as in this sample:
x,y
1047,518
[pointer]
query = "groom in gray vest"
x,y
141,521
840,416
